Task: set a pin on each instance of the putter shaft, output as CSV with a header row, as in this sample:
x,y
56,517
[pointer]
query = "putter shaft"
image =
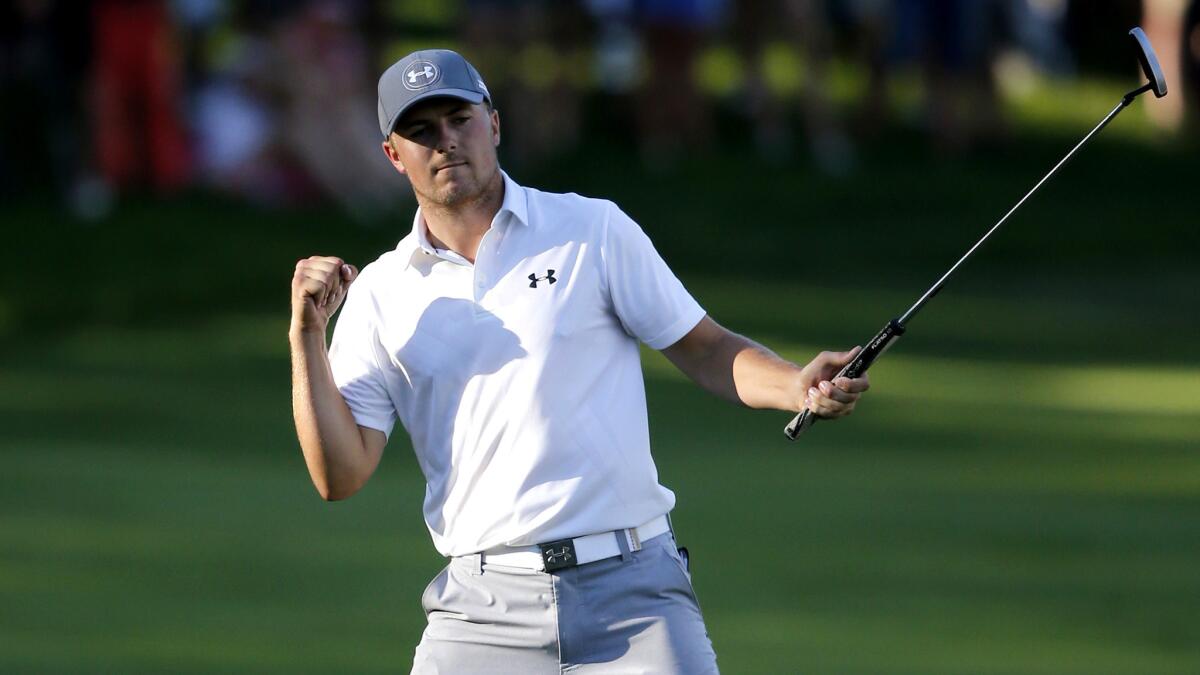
x,y
933,290
896,327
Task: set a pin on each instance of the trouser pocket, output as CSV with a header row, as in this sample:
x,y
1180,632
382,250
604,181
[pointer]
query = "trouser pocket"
x,y
433,590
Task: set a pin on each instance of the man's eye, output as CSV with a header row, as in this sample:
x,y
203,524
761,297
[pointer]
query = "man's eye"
x,y
462,120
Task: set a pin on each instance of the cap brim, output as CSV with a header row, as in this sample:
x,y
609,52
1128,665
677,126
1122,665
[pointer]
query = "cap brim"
x,y
467,95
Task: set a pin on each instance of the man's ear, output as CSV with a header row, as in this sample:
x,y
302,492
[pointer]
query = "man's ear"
x,y
495,127
392,155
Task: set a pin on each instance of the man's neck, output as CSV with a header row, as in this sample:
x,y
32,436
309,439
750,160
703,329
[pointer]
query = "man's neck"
x,y
460,228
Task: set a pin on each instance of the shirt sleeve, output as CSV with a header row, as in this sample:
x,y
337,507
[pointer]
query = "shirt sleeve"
x,y
650,301
354,358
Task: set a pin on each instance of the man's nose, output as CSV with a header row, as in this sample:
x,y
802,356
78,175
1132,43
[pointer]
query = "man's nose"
x,y
448,137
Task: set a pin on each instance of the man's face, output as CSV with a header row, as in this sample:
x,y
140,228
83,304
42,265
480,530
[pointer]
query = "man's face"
x,y
447,148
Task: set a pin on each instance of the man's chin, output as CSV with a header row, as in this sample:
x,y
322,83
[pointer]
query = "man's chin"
x,y
454,196
456,193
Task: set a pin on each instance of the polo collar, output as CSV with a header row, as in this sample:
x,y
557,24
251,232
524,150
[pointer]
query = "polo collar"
x,y
516,203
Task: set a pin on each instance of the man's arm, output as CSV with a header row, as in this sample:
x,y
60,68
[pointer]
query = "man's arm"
x,y
340,454
743,371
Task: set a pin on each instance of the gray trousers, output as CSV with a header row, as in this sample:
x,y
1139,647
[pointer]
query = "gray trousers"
x,y
636,613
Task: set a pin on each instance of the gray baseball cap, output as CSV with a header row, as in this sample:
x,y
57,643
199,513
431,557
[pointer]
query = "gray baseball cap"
x,y
426,74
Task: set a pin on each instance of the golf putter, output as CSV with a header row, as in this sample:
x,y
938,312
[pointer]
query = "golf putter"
x,y
896,327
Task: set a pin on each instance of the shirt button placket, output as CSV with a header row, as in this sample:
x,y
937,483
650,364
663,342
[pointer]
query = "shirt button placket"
x,y
481,278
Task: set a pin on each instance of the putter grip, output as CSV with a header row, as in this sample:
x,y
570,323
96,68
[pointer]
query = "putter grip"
x,y
874,349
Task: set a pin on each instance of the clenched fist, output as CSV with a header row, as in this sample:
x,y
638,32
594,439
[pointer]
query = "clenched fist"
x,y
318,289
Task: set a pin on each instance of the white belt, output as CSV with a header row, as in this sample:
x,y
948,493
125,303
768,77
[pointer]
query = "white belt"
x,y
577,551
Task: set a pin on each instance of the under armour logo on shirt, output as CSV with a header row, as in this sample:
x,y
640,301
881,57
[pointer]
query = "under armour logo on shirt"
x,y
534,279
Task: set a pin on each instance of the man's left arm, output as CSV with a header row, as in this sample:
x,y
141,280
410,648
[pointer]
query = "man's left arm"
x,y
743,371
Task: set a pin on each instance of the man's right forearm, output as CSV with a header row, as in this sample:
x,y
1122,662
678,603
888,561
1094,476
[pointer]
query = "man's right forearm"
x,y
334,450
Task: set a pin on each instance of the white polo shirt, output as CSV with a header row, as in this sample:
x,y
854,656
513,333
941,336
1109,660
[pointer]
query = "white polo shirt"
x,y
518,378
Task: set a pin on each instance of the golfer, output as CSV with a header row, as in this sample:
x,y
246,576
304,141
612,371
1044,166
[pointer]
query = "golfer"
x,y
503,333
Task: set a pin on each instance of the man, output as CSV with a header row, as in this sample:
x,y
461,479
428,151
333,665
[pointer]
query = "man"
x,y
502,332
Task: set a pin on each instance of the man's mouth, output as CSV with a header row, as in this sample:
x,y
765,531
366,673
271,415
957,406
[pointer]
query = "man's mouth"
x,y
449,166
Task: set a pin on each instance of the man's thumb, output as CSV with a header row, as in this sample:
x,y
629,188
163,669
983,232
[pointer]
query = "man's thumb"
x,y
847,357
349,273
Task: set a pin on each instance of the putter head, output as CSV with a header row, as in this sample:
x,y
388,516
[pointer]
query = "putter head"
x,y
1149,61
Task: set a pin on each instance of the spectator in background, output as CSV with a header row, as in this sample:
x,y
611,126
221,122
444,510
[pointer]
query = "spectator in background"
x,y
1163,21
541,62
618,49
955,41
769,35
44,51
137,91
869,24
956,44
1038,29
1190,77
327,101
671,114
236,121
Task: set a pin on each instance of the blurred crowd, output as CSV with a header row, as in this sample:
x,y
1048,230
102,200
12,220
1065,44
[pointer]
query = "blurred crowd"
x,y
273,101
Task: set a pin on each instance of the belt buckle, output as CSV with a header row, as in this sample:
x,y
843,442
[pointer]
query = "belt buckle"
x,y
557,555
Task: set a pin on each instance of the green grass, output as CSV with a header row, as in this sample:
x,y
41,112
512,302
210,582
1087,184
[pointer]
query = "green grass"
x,y
1019,493
999,516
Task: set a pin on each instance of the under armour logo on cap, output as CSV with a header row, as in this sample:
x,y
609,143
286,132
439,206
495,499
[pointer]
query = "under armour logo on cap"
x,y
420,75
534,279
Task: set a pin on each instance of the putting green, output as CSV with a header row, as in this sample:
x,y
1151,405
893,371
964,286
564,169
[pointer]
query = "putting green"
x,y
977,515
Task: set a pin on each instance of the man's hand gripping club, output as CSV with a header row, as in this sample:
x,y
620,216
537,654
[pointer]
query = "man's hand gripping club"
x,y
825,394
